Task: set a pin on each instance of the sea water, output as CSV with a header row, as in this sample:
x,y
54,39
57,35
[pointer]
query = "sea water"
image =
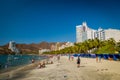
x,y
7,61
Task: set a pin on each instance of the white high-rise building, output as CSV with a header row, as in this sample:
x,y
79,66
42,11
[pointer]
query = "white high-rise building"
x,y
101,34
83,32
12,47
112,33
79,33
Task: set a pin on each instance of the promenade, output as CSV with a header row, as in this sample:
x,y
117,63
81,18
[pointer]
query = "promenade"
x,y
67,70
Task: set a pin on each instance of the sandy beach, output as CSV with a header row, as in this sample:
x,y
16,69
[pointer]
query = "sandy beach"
x,y
67,70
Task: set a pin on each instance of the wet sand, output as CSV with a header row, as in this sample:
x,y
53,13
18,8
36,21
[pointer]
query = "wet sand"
x,y
67,70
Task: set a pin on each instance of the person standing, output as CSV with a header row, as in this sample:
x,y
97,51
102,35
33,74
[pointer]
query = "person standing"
x,y
69,56
96,58
78,62
72,57
99,58
33,61
58,58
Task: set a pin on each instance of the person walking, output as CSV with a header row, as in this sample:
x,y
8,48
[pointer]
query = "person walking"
x,y
72,57
69,56
78,62
58,58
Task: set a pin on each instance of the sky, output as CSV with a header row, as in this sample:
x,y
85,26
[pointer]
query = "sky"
x,y
34,21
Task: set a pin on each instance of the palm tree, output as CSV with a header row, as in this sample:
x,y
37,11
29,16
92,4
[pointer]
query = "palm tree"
x,y
96,43
118,46
111,41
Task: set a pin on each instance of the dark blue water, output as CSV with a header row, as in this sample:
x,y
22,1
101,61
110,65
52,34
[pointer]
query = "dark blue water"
x,y
7,61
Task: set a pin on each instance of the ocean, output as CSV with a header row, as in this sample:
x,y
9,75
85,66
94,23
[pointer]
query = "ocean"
x,y
8,61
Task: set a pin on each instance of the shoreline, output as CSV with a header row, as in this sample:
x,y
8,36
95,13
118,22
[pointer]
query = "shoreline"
x,y
11,72
67,70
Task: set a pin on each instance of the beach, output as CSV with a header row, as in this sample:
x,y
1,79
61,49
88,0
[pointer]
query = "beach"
x,y
66,69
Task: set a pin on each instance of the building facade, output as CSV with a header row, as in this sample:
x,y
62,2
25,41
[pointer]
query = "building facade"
x,y
12,47
67,44
79,33
83,32
100,34
57,46
44,50
112,33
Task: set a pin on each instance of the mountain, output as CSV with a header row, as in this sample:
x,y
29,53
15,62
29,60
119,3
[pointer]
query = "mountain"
x,y
28,48
5,50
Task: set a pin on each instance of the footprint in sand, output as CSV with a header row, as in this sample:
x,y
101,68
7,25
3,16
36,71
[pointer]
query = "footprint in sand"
x,y
106,69
97,69
102,69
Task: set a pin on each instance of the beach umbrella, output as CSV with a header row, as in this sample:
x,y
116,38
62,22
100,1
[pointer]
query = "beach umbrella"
x,y
105,56
75,55
78,54
116,57
93,56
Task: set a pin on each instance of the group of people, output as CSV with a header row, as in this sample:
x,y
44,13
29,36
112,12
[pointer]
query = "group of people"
x,y
71,57
43,63
50,60
98,59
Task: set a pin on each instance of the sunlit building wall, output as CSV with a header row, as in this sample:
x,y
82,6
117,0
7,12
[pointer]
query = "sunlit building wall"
x,y
79,33
83,32
112,33
12,47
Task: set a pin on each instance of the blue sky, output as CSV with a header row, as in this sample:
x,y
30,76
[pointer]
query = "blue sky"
x,y
33,21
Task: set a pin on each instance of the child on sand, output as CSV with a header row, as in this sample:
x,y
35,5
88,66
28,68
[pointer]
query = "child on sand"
x,y
72,57
96,58
33,60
